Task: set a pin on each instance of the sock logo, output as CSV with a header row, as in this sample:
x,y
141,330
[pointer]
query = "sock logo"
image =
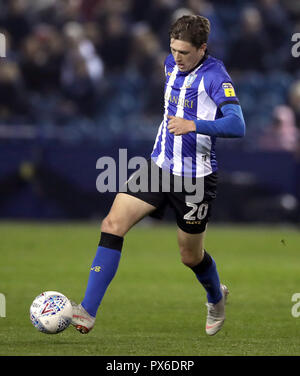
x,y
96,269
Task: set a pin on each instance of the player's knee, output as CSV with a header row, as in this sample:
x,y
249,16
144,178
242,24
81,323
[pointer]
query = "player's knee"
x,y
190,257
112,225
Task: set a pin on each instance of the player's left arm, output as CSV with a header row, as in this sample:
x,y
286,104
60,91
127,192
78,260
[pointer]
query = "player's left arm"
x,y
231,125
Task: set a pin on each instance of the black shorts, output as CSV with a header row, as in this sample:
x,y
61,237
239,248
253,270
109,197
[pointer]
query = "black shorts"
x,y
160,189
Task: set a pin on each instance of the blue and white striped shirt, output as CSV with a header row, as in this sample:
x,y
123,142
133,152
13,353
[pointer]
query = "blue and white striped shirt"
x,y
195,95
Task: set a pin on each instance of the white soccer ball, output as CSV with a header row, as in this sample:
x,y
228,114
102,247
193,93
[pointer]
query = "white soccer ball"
x,y
51,312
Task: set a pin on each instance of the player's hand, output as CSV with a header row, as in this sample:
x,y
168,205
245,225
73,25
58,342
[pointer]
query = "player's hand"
x,y
179,126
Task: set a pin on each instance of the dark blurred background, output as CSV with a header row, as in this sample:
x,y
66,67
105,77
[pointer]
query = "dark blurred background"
x,y
84,78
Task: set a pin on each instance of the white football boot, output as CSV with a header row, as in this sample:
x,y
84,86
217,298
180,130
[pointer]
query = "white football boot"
x,y
216,313
82,320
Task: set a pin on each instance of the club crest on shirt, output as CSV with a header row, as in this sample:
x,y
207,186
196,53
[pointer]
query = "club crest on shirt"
x,y
190,80
228,89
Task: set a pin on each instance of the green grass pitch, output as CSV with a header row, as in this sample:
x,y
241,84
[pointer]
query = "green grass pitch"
x,y
155,305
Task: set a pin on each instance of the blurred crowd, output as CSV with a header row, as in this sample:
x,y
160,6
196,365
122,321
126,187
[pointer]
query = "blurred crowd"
x,y
96,66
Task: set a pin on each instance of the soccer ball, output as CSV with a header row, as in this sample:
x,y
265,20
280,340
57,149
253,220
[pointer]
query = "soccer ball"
x,y
51,312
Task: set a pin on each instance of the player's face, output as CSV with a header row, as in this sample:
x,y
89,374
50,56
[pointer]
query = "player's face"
x,y
185,54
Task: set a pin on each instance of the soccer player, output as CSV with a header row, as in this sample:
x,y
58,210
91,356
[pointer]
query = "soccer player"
x,y
200,105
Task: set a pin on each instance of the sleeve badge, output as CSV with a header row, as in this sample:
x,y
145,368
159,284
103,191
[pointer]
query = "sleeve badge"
x,y
228,90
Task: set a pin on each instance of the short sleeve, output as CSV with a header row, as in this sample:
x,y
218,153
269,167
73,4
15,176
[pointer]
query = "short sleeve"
x,y
220,88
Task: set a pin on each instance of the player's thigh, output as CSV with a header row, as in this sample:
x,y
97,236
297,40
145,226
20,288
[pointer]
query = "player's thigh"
x,y
191,247
193,211
125,212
